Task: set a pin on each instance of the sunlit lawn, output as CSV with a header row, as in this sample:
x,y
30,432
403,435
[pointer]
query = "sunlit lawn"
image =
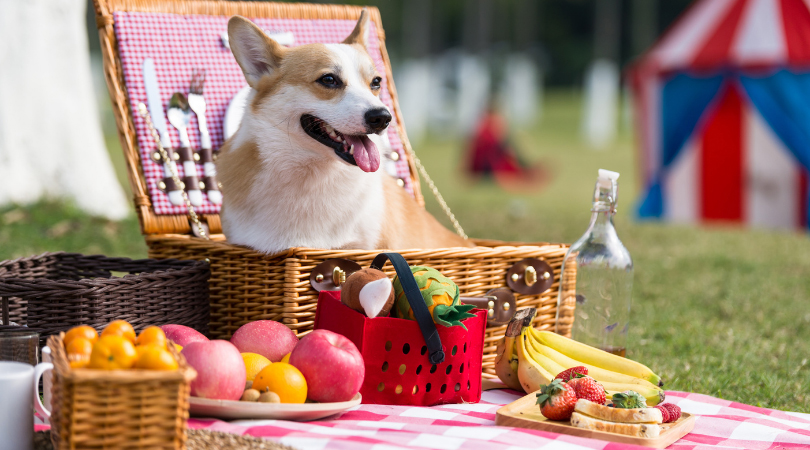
x,y
723,311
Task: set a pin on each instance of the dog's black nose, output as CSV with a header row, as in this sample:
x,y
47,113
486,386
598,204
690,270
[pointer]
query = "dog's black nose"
x,y
377,119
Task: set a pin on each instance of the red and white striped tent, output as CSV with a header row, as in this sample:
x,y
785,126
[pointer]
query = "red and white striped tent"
x,y
723,115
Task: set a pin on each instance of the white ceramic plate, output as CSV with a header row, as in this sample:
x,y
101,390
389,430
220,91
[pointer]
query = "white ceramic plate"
x,y
236,410
235,111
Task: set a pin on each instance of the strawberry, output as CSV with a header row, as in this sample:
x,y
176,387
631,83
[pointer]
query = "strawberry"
x,y
674,411
629,399
589,389
665,413
557,400
568,374
670,412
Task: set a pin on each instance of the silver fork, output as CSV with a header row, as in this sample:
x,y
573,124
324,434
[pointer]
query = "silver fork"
x,y
196,101
179,116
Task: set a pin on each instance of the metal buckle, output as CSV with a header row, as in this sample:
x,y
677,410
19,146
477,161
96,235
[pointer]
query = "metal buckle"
x,y
530,276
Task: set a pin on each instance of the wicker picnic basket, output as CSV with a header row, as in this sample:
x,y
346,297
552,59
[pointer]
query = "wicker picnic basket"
x,y
56,291
118,409
247,285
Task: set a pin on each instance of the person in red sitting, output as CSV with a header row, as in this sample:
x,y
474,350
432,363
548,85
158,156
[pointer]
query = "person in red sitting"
x,y
490,153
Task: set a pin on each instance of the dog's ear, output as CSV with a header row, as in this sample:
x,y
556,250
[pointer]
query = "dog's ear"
x,y
359,34
255,52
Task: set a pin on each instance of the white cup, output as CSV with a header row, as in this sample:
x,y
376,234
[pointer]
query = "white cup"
x,y
19,391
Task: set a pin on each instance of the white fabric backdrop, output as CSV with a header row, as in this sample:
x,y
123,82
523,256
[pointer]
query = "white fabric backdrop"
x,y
51,142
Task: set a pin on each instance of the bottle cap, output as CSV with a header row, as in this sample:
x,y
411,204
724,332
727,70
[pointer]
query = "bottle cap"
x,y
607,178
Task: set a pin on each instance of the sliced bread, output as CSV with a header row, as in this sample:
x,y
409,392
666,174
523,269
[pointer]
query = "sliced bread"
x,y
622,415
644,430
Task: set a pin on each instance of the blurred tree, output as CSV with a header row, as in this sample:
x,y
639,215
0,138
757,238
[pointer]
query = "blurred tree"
x,y
527,23
645,26
602,76
416,27
477,25
607,30
565,28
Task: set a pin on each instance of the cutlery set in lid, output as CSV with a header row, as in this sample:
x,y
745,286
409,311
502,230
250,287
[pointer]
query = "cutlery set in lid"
x,y
179,116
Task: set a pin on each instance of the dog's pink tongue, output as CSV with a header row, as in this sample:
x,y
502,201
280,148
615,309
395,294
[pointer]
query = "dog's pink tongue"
x,y
366,154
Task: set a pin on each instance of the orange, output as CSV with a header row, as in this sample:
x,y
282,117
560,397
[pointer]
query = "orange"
x,y
283,379
78,352
153,357
141,348
152,336
286,358
112,352
254,363
120,328
83,331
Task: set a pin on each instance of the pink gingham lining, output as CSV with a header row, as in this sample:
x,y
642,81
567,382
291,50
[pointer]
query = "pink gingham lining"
x,y
720,424
178,43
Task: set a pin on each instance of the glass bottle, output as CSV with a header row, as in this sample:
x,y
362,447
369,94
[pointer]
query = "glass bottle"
x,y
603,271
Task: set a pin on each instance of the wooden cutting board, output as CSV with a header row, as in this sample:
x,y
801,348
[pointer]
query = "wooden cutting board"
x,y
524,413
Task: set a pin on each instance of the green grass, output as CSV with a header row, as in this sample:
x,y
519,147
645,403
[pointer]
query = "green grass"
x,y
51,226
716,310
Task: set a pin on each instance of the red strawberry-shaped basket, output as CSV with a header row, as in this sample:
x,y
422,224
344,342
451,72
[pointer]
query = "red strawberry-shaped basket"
x,y
410,362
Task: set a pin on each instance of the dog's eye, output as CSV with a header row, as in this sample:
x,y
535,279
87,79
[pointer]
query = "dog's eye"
x,y
329,80
375,83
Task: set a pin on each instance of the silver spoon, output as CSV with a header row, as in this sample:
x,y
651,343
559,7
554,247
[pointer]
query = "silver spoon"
x,y
179,115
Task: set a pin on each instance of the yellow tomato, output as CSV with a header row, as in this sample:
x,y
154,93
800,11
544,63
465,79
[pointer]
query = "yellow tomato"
x,y
153,357
120,328
178,347
283,379
286,358
112,352
152,336
83,331
78,352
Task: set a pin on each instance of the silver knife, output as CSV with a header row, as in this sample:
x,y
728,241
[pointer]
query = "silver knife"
x,y
159,121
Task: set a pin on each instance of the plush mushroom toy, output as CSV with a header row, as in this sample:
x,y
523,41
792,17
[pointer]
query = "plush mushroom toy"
x,y
368,291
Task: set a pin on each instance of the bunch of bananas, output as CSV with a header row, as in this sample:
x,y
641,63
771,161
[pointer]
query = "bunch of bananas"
x,y
528,359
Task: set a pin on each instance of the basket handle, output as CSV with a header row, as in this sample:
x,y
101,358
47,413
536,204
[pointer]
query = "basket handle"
x,y
414,296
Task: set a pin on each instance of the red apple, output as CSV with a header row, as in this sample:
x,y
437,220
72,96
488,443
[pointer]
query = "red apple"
x,y
220,369
182,335
332,365
268,338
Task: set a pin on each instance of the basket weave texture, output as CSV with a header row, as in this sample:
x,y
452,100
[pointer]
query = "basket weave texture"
x,y
118,409
247,285
54,292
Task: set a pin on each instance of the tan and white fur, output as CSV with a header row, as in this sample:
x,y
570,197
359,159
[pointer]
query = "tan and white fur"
x,y
283,186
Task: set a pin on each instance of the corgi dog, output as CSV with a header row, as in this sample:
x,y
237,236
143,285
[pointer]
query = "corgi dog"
x,y
303,169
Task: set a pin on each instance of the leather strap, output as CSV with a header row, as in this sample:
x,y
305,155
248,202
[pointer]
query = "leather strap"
x,y
185,154
206,155
499,303
192,183
169,184
414,296
210,183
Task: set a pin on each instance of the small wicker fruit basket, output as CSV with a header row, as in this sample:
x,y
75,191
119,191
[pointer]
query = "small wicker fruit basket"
x,y
247,285
118,409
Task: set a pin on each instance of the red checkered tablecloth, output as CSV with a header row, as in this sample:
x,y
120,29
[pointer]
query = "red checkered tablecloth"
x,y
720,424
179,43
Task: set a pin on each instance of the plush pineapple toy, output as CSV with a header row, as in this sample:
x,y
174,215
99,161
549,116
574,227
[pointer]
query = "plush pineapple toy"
x,y
440,295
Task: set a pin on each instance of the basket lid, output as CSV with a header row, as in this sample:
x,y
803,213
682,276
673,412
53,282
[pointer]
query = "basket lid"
x,y
183,35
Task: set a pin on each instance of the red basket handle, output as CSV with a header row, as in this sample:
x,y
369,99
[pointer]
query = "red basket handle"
x,y
414,296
